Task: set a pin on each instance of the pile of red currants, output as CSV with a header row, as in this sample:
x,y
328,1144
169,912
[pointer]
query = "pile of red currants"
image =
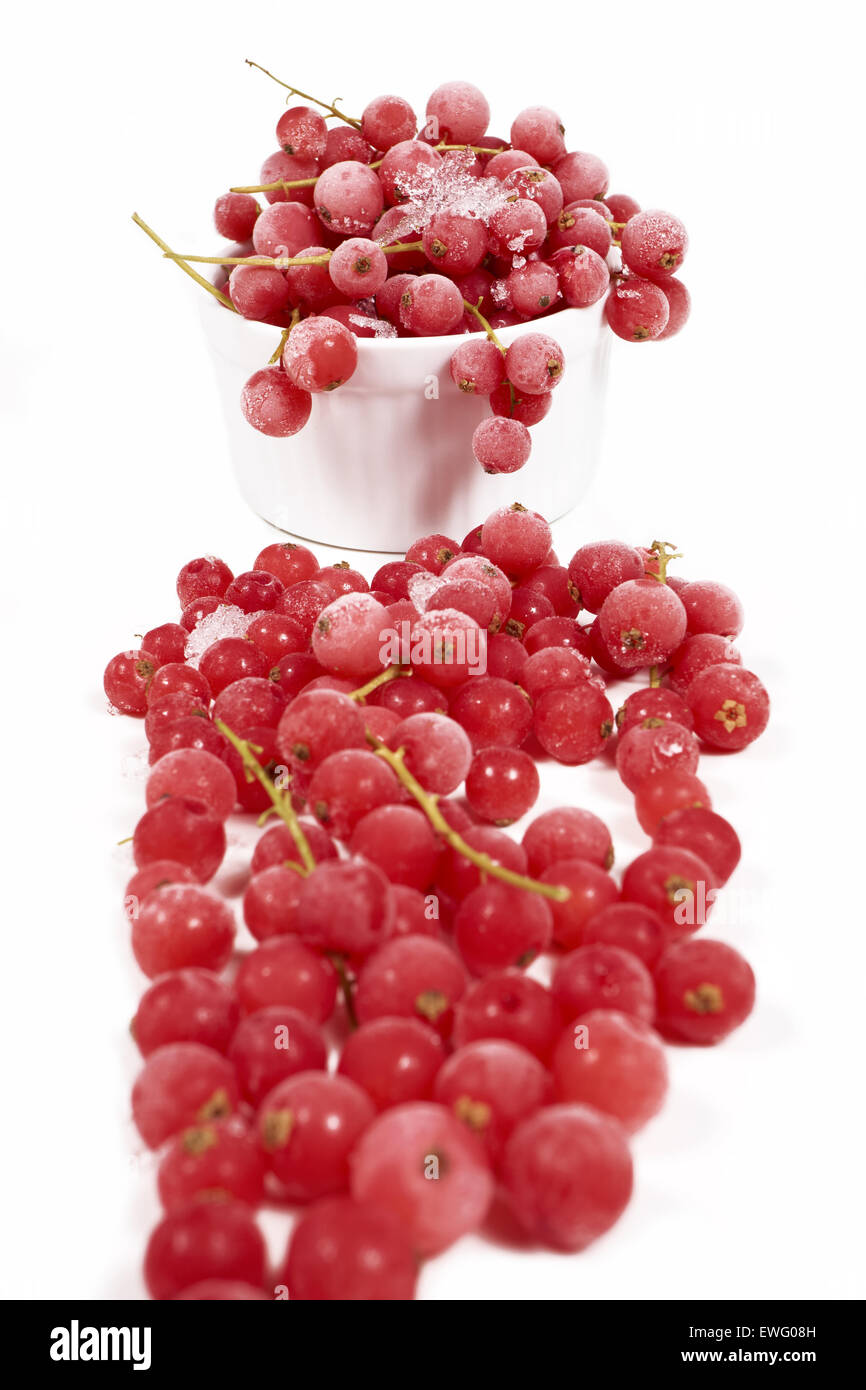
x,y
375,229
394,920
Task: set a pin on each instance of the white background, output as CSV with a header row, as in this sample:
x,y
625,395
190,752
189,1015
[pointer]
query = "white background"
x,y
740,440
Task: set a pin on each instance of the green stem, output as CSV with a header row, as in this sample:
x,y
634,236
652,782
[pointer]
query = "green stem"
x,y
393,673
655,678
429,806
179,260
280,261
282,801
296,92
474,309
664,552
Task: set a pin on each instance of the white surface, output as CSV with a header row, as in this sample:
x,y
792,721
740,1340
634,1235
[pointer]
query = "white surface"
x,y
388,457
741,440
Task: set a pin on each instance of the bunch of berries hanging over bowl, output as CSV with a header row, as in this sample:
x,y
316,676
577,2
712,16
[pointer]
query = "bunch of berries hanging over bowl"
x,y
391,225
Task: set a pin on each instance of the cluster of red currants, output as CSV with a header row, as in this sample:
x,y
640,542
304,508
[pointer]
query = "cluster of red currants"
x,y
458,1074
376,229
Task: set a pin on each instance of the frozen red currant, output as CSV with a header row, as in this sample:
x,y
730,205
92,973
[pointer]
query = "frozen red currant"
x,y
271,1045
603,976
567,832
567,1172
127,680
214,1161
181,1084
705,833
705,990
673,882
497,926
182,925
731,707
412,977
308,1127
342,1251
573,725
418,1162
283,971
614,1062
630,927
694,655
393,1059
191,1005
203,1241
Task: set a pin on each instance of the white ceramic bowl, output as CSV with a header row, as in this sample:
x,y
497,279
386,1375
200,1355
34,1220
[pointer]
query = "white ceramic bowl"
x,y
388,457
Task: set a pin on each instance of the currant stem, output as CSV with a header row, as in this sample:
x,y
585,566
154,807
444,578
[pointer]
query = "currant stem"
x,y
655,678
476,149
279,261
664,552
277,354
179,260
393,673
296,92
286,184
429,805
474,309
282,800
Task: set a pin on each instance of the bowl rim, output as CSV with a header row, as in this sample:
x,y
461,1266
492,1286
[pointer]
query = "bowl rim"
x,y
418,344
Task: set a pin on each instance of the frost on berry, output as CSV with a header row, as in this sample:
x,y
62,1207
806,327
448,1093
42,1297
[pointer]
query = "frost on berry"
x,y
448,186
226,621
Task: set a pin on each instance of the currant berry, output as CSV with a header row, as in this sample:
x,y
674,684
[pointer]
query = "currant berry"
x,y
731,707
602,976
642,622
308,1126
706,834
411,977
393,1059
502,784
320,354
273,405
182,829
191,773
694,655
189,1005
182,925
492,711
271,1045
127,680
581,175
629,926
204,1241
284,972
341,1251
674,883
234,216
395,1159
498,926
348,198
705,990
573,725
615,1063
654,244
567,832
182,1084
221,1157
649,708
400,842
567,1173
459,113
501,445
490,1086
637,310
